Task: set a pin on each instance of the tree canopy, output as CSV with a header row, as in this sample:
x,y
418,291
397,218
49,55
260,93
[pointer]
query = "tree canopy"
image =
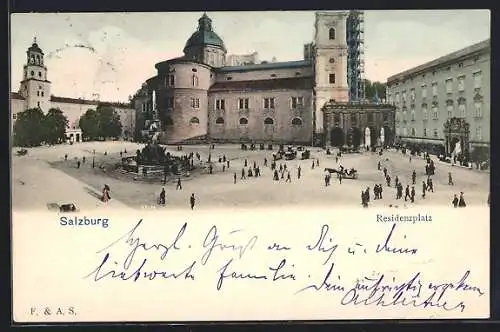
x,y
371,87
101,123
34,128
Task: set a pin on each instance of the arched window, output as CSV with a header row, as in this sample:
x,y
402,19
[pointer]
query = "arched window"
x,y
297,122
32,73
243,121
220,120
39,74
268,121
194,120
413,133
331,33
37,59
195,80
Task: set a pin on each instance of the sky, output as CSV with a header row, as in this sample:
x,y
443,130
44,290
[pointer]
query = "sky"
x,y
108,56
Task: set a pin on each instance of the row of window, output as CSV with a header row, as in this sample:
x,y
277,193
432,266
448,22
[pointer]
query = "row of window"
x,y
462,112
434,72
244,121
170,80
243,103
32,73
477,78
354,117
435,132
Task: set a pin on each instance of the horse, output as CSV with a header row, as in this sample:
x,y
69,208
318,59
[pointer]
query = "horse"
x,y
331,170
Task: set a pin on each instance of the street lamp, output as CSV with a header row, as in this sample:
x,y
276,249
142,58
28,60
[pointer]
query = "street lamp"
x,y
93,160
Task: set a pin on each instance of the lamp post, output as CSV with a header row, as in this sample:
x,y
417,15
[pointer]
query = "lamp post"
x,y
93,159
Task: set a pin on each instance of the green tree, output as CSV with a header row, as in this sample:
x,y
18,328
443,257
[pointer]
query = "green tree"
x,y
55,124
89,124
109,122
30,129
372,87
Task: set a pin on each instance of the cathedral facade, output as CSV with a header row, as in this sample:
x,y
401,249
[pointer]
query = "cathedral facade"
x,y
35,92
199,97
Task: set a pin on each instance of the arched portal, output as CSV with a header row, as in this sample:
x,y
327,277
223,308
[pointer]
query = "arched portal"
x,y
355,137
368,137
337,137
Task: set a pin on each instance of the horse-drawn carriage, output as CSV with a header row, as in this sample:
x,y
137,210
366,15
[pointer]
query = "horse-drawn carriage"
x,y
68,207
22,152
306,154
345,173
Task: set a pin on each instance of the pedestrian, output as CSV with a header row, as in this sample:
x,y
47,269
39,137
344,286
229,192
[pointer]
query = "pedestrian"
x,y
450,179
430,185
246,163
367,194
179,184
312,167
455,201
388,180
254,165
210,168
299,170
224,158
228,163
380,190
275,176
461,200
385,172
340,177
66,157
162,197
378,166
121,154
223,167
396,181
234,177
317,162
243,174
375,192
413,177
83,159
424,189
326,180
192,201
265,161
78,164
407,192
412,197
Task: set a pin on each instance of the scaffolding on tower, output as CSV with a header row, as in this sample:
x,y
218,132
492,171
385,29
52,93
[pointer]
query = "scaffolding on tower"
x,y
355,56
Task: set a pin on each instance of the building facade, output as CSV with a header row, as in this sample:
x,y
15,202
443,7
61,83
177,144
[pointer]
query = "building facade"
x,y
35,92
204,96
445,102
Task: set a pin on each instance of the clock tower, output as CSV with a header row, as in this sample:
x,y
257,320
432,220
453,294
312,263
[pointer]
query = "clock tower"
x,y
330,62
35,87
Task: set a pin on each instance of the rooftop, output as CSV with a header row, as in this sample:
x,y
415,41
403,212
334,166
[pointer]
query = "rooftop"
x,y
299,83
264,66
481,46
87,102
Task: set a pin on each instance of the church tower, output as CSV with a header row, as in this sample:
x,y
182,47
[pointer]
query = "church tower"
x,y
330,62
35,87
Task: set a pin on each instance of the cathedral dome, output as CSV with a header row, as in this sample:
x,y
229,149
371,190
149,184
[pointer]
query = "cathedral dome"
x,y
204,35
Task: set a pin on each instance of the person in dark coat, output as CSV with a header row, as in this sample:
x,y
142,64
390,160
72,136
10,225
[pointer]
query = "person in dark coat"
x,y
424,189
414,177
450,179
380,190
407,192
412,194
179,184
299,170
243,174
455,201
162,197
275,176
192,201
461,200
234,177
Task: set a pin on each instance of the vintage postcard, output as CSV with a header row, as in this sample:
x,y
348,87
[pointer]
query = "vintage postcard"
x,y
235,166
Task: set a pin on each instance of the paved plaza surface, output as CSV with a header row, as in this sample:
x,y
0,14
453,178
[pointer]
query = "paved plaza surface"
x,y
43,177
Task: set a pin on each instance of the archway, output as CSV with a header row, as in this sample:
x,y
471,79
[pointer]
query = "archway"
x,y
355,137
382,136
337,137
455,145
